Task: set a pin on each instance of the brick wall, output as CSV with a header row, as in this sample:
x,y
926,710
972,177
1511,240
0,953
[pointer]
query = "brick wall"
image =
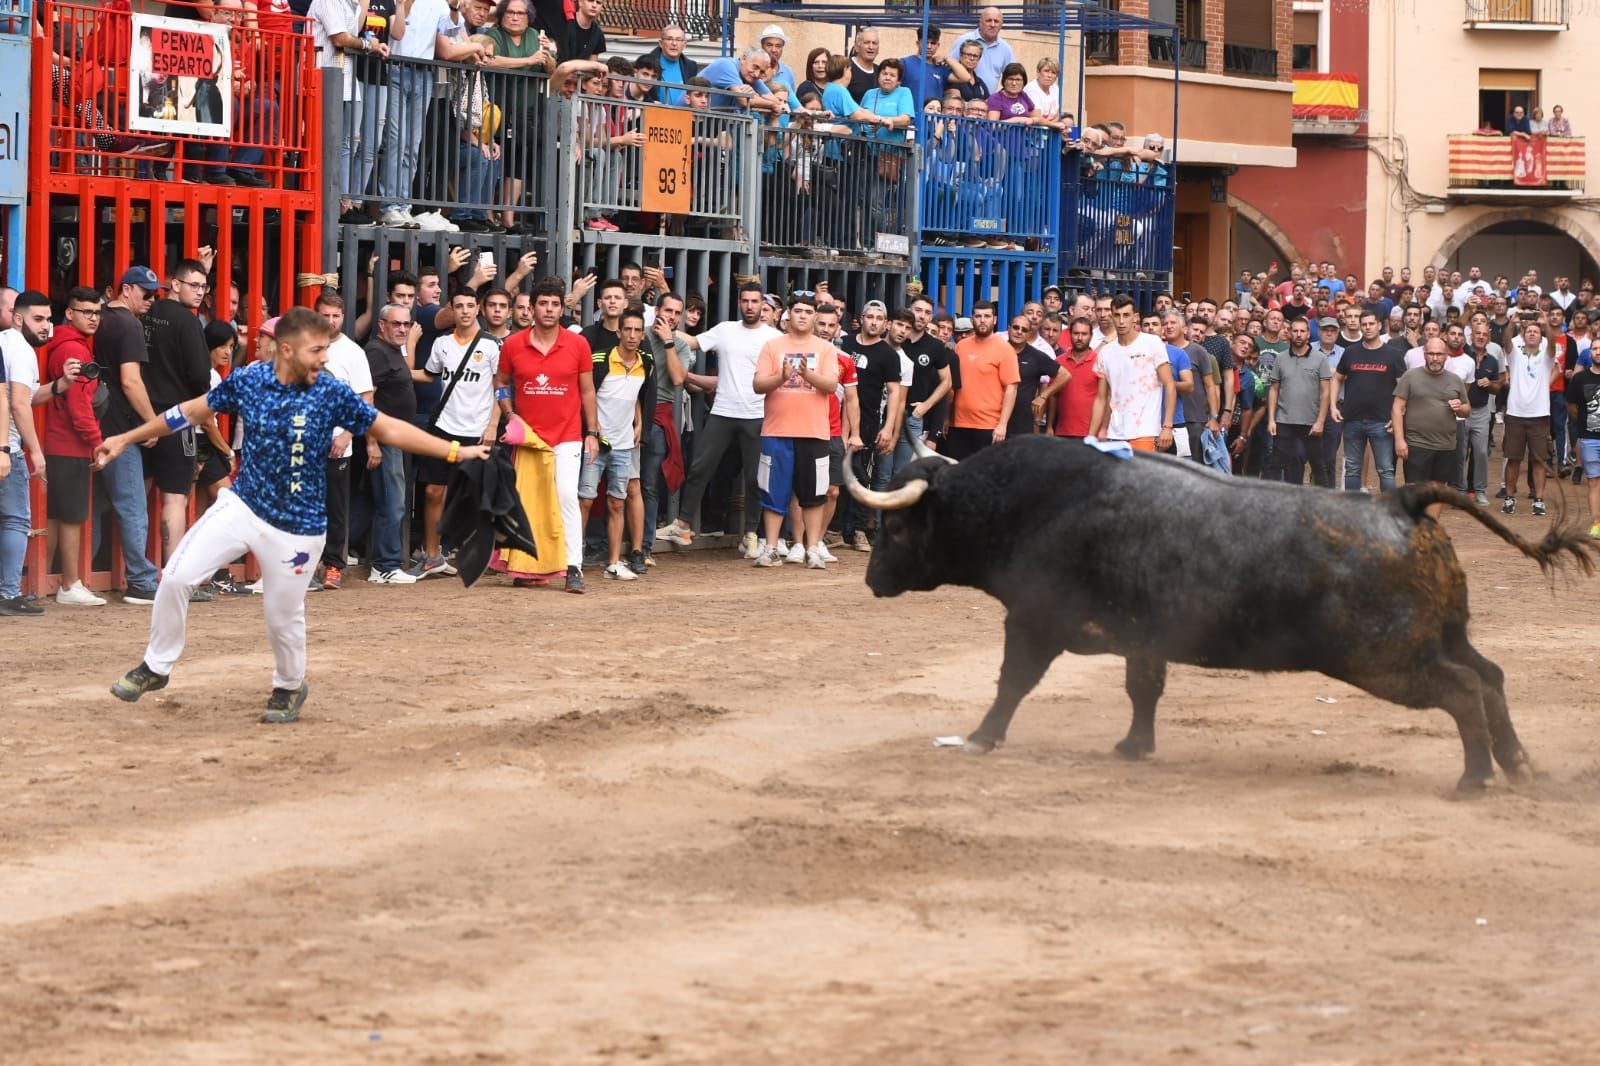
x,y
1133,49
1283,37
1214,33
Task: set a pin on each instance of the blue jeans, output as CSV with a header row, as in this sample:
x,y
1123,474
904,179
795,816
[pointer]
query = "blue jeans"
x,y
388,486
654,454
1357,436
122,481
479,175
409,90
903,455
15,521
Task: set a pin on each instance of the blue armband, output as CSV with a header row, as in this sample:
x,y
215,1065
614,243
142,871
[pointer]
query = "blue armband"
x,y
176,419
502,393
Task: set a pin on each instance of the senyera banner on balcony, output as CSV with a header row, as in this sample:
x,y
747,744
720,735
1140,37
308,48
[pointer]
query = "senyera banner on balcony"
x,y
183,72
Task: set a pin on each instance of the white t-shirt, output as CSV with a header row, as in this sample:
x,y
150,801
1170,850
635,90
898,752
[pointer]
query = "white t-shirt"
x,y
616,400
424,22
348,362
327,18
1044,100
737,350
1137,398
472,401
22,368
1529,394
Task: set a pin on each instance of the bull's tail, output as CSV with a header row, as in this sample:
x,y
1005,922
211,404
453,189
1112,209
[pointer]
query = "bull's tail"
x,y
1561,543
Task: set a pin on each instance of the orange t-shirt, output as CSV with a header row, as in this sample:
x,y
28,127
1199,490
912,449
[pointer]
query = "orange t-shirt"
x,y
987,367
794,408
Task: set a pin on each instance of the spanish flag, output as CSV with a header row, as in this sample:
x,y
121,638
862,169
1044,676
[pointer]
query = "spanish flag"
x,y
1335,95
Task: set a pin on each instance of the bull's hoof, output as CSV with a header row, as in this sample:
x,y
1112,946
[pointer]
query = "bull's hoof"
x,y
1134,748
1518,769
1470,787
977,745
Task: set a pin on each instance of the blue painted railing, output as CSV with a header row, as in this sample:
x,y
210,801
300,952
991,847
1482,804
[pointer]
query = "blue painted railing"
x,y
1113,225
989,180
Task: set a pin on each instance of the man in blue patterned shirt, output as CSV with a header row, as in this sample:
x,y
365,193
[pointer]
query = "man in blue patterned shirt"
x,y
275,508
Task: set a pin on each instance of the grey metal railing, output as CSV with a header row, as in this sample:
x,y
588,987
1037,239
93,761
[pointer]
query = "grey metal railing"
x,y
426,135
1551,13
609,133
835,193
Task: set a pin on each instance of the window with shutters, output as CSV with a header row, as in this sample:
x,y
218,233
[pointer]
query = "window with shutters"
x,y
1248,39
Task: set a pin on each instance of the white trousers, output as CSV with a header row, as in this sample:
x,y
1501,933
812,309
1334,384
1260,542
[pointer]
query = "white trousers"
x,y
225,532
569,465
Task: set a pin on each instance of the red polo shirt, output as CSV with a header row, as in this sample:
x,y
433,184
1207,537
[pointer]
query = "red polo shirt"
x,y
847,380
1075,401
544,384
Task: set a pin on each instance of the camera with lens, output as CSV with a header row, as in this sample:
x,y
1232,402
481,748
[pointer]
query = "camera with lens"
x,y
89,371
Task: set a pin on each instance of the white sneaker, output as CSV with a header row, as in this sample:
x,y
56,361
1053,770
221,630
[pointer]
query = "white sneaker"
x,y
434,222
78,596
676,533
258,587
796,553
391,577
398,218
814,560
620,571
768,557
826,555
752,547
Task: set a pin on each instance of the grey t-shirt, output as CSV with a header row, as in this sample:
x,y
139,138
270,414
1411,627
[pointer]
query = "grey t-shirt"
x,y
1429,421
1299,379
1196,407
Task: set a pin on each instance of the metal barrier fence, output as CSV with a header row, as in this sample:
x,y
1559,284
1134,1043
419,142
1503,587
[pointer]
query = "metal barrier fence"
x,y
426,134
15,17
606,167
698,18
135,96
956,277
1109,224
985,179
829,193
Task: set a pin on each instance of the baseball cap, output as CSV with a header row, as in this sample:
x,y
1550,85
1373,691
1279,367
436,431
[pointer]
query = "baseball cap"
x,y
875,305
774,30
269,328
772,301
143,277
1328,323
1057,289
963,325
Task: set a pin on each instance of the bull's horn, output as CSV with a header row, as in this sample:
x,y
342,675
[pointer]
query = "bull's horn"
x,y
898,499
922,451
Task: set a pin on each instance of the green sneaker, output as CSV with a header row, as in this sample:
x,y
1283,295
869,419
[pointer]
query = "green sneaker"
x,y
284,705
136,682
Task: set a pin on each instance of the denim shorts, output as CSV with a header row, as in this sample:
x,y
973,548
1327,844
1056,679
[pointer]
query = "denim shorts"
x,y
1590,451
618,466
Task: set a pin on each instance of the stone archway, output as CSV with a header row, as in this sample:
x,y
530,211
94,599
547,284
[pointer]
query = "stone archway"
x,y
1270,230
1555,220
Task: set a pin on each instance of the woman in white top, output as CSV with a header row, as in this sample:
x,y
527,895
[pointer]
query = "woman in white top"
x,y
1537,123
1042,89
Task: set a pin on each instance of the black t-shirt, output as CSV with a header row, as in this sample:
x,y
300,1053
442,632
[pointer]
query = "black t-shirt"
x,y
861,81
392,393
119,340
1292,310
976,89
179,368
1032,367
599,337
380,15
1220,350
876,366
928,356
571,41
427,393
1488,367
1583,389
1370,378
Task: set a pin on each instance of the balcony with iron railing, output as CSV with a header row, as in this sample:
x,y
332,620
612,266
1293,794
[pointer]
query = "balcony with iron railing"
x,y
1191,52
1250,61
1519,167
1536,15
700,19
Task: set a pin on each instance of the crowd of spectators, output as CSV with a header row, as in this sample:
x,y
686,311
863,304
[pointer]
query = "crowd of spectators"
x,y
671,416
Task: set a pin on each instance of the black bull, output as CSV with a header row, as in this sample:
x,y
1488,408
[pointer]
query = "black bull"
x,y
1161,560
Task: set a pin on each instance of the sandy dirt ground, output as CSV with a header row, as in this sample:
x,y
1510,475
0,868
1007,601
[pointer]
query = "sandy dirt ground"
x,y
701,819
